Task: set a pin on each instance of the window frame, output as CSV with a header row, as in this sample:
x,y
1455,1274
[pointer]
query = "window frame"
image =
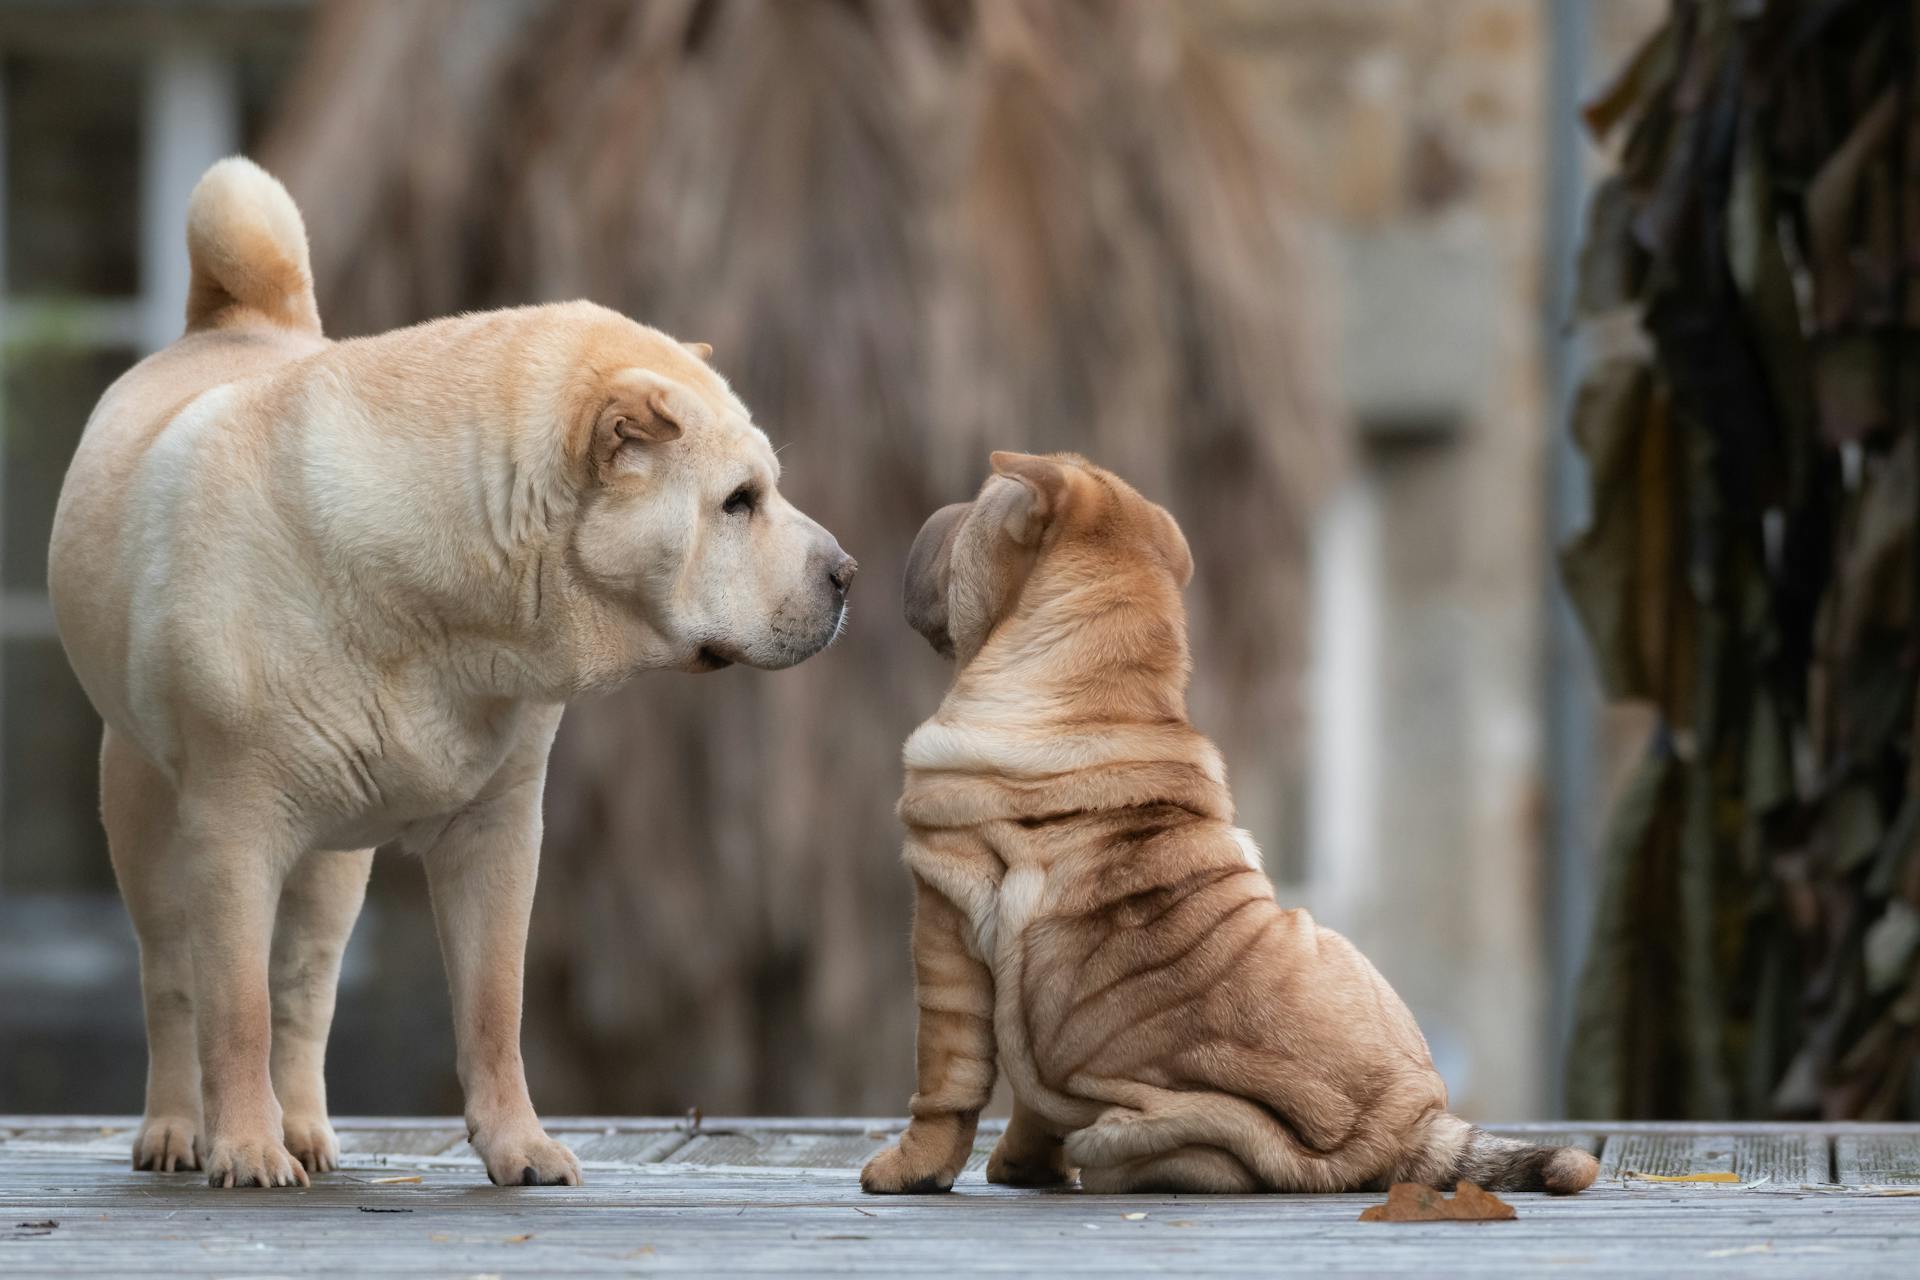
x,y
189,116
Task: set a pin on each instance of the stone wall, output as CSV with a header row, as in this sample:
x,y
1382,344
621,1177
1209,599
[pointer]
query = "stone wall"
x,y
1419,135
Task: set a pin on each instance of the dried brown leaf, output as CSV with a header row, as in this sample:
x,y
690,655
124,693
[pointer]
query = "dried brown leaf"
x,y
1411,1202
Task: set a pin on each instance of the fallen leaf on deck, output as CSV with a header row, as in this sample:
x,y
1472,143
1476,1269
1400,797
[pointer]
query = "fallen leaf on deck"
x,y
1411,1202
1133,1217
519,1239
1682,1177
1182,1222
384,1181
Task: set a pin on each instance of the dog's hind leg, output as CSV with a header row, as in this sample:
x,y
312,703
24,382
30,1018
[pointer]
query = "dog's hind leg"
x,y
318,905
1028,1154
1161,1122
232,847
137,807
1207,1170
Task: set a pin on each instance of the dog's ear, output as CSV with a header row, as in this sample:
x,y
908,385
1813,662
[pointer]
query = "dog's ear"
x,y
640,408
700,350
1044,487
1174,544
929,574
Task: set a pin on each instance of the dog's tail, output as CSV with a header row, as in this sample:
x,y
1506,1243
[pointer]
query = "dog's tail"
x,y
248,248
1506,1164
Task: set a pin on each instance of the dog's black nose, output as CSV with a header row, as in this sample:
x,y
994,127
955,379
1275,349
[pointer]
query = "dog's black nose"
x,y
841,575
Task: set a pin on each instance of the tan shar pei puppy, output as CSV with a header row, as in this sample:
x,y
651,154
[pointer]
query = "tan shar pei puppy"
x,y
1088,917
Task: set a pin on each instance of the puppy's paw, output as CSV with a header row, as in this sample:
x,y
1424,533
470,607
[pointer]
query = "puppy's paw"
x,y
249,1161
891,1173
527,1159
312,1142
1028,1168
167,1144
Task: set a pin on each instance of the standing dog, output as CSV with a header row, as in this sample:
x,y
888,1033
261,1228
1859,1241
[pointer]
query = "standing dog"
x,y
1088,916
333,596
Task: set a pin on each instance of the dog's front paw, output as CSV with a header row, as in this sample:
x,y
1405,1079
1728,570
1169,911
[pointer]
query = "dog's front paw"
x,y
167,1143
891,1173
313,1144
527,1159
248,1161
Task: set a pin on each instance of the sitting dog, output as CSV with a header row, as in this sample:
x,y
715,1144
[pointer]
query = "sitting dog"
x,y
331,596
1088,917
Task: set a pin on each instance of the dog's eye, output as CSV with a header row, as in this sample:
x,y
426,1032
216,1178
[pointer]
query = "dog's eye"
x,y
741,501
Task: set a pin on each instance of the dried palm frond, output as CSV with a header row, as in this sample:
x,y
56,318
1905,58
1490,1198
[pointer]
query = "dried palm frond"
x,y
1751,568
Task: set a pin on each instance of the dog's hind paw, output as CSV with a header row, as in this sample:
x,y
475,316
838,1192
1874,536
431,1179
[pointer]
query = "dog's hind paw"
x,y
313,1144
167,1144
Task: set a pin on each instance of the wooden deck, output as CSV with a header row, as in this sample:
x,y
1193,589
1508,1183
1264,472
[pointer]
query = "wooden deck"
x,y
750,1197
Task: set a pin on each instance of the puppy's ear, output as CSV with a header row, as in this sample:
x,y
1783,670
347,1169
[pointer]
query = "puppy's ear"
x,y
640,408
1044,489
700,350
929,573
1179,554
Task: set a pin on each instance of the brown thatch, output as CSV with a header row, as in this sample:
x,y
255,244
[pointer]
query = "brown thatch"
x,y
913,232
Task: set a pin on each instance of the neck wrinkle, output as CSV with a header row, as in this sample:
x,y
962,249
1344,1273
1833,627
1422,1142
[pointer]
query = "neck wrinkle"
x,y
1022,670
944,798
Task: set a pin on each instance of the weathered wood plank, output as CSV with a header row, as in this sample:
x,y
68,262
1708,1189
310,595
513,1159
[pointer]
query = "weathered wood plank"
x,y
404,1142
1792,1159
788,1203
751,1149
1890,1159
683,1219
801,1148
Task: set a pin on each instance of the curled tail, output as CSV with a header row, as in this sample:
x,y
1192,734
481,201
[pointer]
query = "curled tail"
x,y
1505,1164
248,248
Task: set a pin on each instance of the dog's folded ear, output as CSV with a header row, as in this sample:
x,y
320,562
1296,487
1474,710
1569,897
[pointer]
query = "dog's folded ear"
x,y
1179,555
641,408
1044,489
929,573
699,350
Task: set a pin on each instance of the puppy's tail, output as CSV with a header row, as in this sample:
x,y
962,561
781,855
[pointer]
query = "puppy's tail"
x,y
248,248
1505,1164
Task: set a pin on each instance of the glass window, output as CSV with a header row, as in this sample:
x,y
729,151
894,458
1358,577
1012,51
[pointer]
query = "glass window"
x,y
73,175
50,833
49,391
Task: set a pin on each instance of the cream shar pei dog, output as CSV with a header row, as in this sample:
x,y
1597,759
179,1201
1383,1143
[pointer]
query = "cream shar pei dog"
x,y
1089,920
332,596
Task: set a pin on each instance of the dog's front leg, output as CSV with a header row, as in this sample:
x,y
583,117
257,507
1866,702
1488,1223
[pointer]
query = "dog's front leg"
x,y
481,874
234,868
954,1048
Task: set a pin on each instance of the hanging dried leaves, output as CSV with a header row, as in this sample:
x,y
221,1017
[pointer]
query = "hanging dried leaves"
x,y
1750,566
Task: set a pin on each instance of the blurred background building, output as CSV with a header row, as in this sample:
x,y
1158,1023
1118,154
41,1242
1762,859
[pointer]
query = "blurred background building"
x,y
1299,268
